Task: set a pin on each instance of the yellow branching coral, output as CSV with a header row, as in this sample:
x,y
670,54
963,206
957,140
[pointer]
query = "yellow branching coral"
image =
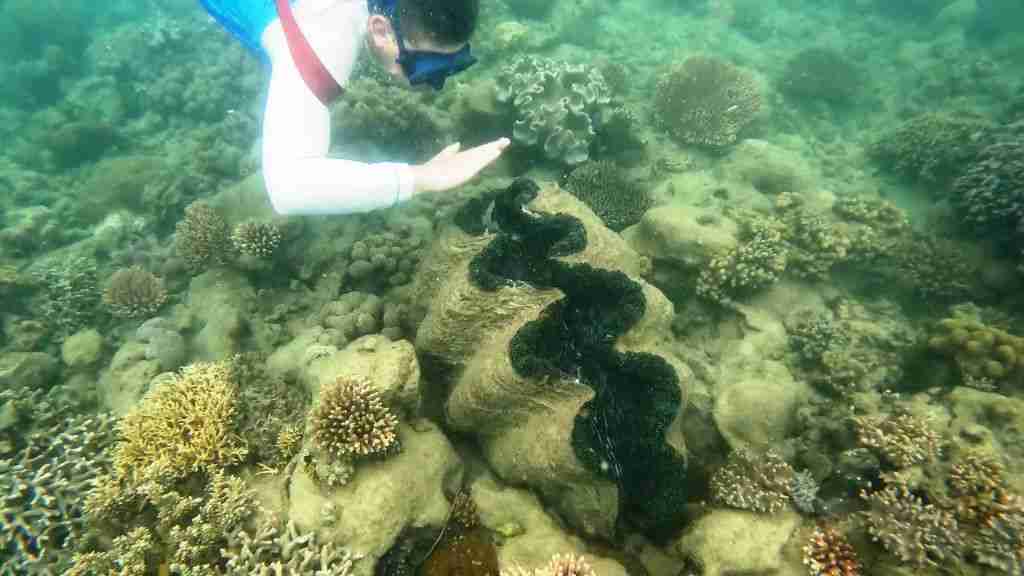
x,y
182,425
351,420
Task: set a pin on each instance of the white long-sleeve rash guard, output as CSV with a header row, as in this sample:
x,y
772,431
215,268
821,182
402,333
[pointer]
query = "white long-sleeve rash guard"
x,y
300,178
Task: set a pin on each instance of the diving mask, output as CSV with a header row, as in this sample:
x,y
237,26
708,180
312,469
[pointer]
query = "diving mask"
x,y
423,66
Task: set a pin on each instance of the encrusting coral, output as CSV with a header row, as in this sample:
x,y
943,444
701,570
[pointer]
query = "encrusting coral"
x,y
184,424
134,292
706,101
351,420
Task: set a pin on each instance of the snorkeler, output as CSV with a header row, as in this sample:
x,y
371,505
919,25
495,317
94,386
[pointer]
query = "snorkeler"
x,y
312,49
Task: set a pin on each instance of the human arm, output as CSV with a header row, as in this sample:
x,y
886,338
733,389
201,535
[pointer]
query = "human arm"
x,y
300,177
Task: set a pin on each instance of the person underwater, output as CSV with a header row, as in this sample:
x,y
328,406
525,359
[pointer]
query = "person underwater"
x,y
312,47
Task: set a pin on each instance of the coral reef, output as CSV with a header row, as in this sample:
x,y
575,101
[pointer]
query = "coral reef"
x,y
989,196
134,292
351,421
986,356
821,75
816,245
757,482
602,186
202,237
915,532
401,123
256,239
559,106
184,424
382,259
273,548
902,439
559,565
70,294
355,314
933,148
758,261
706,101
43,485
829,553
129,555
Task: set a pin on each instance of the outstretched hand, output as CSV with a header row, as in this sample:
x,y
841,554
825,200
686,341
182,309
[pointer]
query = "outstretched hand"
x,y
453,167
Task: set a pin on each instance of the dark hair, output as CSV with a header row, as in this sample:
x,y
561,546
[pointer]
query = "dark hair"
x,y
441,21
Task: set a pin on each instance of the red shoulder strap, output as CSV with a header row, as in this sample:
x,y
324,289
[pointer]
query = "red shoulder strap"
x,y
312,70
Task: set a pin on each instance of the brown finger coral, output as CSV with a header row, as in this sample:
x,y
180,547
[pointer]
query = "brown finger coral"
x,y
352,421
134,292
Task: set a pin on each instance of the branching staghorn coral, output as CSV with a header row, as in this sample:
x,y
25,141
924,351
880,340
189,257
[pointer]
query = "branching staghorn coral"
x,y
42,488
273,549
184,424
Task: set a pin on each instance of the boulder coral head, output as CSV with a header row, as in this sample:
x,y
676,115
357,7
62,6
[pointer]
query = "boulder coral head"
x,y
619,433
